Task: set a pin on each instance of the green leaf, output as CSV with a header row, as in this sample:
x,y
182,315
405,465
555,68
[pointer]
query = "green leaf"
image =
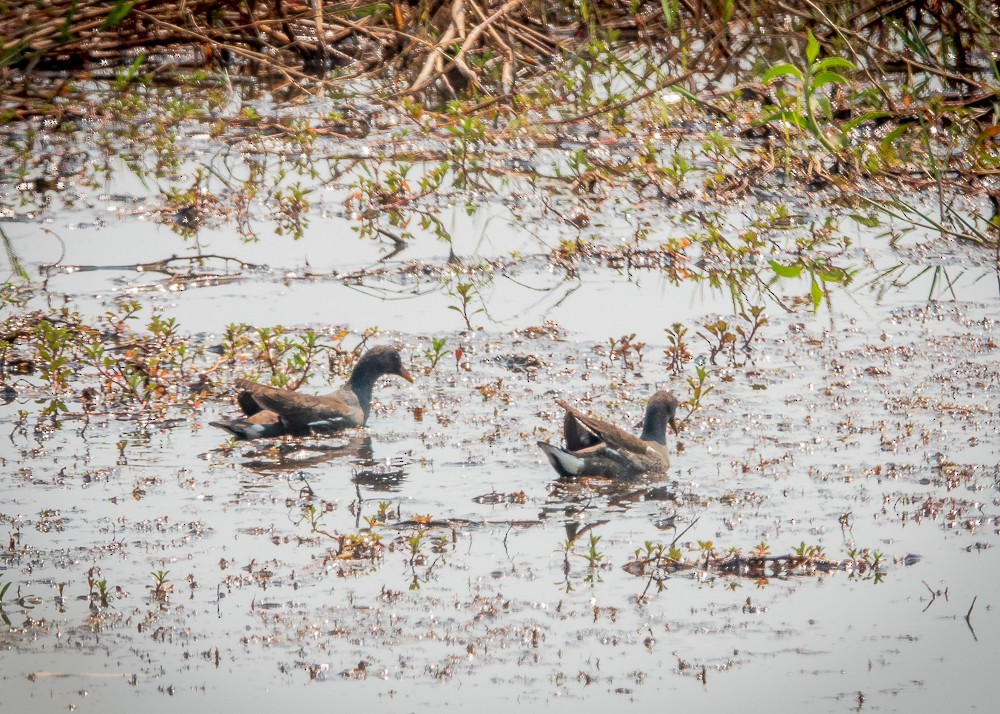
x,y
867,221
125,79
834,275
15,262
118,13
817,293
669,12
833,63
785,271
64,29
812,47
770,117
13,53
781,70
867,116
917,42
827,78
794,118
375,9
690,96
824,104
891,137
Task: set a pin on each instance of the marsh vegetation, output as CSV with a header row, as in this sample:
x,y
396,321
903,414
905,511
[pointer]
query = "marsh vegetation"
x,y
786,216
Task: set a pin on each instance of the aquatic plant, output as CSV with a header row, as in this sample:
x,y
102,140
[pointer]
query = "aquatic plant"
x,y
387,204
705,549
754,315
820,277
161,588
440,543
414,542
724,338
804,552
677,171
383,511
473,51
465,293
593,556
436,352
360,546
99,592
365,547
623,348
290,210
657,562
804,108
699,391
314,516
467,132
720,339
677,351
53,345
289,360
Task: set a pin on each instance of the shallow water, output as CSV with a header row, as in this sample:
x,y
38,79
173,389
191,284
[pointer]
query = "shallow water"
x,y
870,423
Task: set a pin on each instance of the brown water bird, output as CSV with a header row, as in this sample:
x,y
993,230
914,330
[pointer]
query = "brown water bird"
x,y
596,448
269,411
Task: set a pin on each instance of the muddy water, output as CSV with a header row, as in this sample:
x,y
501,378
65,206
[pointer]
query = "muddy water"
x,y
870,423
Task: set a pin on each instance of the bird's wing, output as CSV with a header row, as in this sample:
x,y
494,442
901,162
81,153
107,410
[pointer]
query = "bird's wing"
x,y
608,433
248,405
299,411
576,435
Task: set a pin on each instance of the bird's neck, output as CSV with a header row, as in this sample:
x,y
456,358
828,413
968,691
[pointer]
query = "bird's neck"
x,y
653,430
361,385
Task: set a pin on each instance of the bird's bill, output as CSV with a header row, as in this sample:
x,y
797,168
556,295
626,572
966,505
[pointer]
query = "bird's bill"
x,y
405,374
673,425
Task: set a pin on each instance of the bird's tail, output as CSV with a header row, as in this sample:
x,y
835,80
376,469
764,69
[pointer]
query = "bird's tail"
x,y
566,464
